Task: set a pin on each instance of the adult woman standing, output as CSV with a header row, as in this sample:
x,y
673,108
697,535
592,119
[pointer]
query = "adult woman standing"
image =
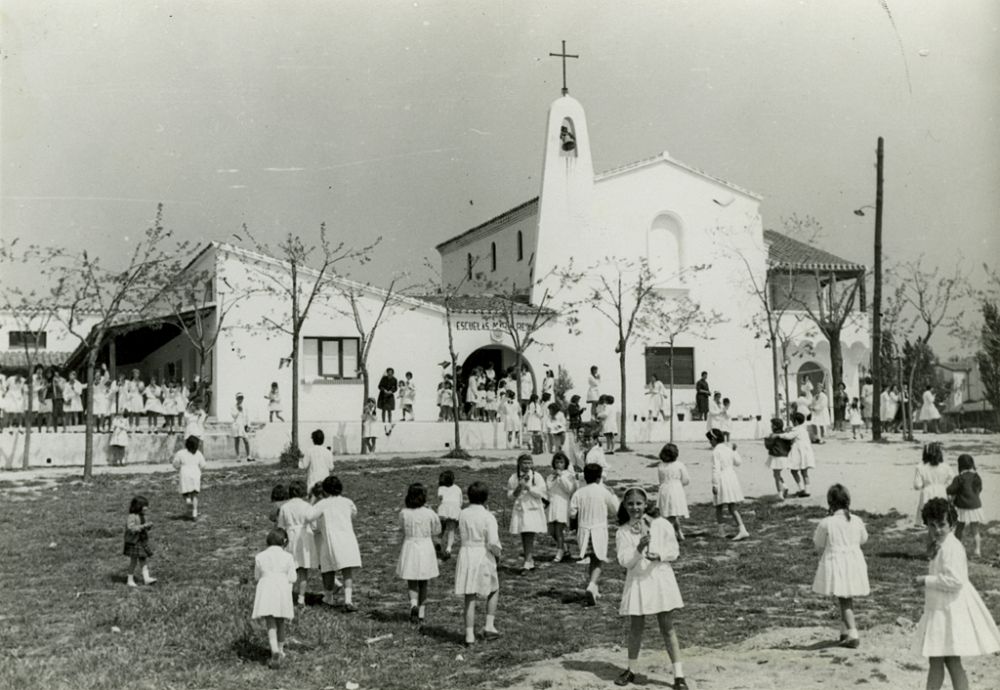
x,y
387,387
840,402
702,394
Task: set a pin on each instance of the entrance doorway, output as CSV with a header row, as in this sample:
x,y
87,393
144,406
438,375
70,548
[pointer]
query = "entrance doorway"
x,y
814,374
497,358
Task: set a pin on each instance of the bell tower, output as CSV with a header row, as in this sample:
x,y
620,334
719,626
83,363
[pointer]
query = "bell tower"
x,y
565,199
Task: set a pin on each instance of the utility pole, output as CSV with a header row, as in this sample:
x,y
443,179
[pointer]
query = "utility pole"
x,y
877,303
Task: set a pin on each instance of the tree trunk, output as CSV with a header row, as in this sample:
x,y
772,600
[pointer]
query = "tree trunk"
x,y
295,390
836,358
670,412
774,373
27,421
622,446
365,384
88,438
456,450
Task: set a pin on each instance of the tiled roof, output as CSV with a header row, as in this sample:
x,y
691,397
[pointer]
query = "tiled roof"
x,y
478,304
16,359
785,252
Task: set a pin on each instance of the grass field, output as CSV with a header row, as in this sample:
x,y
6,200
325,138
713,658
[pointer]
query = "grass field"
x,y
68,621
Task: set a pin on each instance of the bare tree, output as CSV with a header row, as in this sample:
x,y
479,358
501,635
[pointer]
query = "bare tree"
x,y
110,297
32,311
298,284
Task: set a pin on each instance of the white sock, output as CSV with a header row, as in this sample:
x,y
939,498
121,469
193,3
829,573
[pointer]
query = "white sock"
x,y
421,610
490,623
678,670
413,602
348,591
470,635
852,634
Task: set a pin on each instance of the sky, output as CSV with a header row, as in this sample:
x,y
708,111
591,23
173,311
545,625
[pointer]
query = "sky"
x,y
414,121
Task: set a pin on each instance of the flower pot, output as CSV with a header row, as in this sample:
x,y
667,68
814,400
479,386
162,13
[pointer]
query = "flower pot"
x,y
680,416
758,418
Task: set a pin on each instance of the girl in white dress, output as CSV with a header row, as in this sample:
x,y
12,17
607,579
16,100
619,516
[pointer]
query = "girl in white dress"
x,y
555,427
929,414
102,399
593,392
534,420
333,520
190,462
609,423
801,458
73,399
528,490
448,510
645,549
274,403
153,404
956,622
560,485
726,490
119,439
932,477
274,570
168,406
476,567
854,419
842,571
417,560
293,517
132,393
14,400
673,477
511,413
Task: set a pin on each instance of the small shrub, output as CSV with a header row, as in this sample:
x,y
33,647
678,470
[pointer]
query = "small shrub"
x,y
290,456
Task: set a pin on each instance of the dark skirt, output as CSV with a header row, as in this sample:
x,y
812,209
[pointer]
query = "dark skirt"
x,y
386,401
137,545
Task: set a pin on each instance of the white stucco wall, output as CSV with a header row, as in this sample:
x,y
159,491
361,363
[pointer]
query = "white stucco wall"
x,y
510,271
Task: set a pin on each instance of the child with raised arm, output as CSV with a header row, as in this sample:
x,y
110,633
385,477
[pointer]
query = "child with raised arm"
x,y
274,570
591,505
842,571
529,492
645,549
417,560
476,568
956,622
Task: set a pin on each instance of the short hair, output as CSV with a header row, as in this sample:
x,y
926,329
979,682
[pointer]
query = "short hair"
x,y
277,537
560,456
316,491
609,399
669,452
279,493
533,398
726,401
446,478
574,398
715,436
390,370
933,454
318,437
410,374
478,493
839,498
416,496
593,369
297,489
798,418
332,486
592,472
704,373
137,504
939,510
191,443
965,462
553,408
777,425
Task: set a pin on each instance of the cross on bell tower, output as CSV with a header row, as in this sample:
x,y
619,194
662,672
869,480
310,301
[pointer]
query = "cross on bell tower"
x,y
563,55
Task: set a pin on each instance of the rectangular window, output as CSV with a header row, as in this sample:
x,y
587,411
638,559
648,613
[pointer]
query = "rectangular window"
x,y
658,362
330,358
36,339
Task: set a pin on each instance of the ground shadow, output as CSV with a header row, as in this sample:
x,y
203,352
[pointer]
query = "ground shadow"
x,y
815,646
442,634
609,672
564,597
394,616
314,599
248,649
180,517
903,555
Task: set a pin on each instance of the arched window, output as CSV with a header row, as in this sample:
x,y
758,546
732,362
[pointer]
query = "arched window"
x,y
468,266
520,245
665,247
493,256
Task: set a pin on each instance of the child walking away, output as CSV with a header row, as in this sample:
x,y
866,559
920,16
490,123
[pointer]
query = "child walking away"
x,y
645,549
333,520
417,560
528,490
476,567
317,460
119,440
368,419
778,449
956,622
561,484
190,462
449,508
274,570
964,490
932,477
726,490
842,571
274,403
279,496
293,517
137,541
241,427
855,419
609,422
591,505
801,458
673,477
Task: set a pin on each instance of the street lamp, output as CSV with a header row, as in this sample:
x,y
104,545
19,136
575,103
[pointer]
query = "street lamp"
x,y
861,211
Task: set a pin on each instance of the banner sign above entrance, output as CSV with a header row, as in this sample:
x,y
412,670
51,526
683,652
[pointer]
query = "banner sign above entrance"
x,y
487,324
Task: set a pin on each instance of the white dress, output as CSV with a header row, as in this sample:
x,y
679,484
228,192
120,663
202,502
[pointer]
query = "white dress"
x,y
133,396
533,417
333,521
724,479
450,505
801,456
528,512
593,388
119,433
476,568
820,408
671,499
511,415
932,482
929,411
842,571
591,505
153,403
72,395
274,570
241,420
650,586
956,622
713,419
561,487
102,398
610,425
190,466
294,518
417,559
317,461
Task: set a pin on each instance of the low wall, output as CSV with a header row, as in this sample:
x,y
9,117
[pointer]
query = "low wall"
x,y
66,449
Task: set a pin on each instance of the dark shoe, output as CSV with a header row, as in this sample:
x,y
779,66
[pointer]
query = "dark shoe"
x,y
491,635
591,598
680,684
350,608
625,678
274,662
842,639
851,643
468,644
414,614
445,555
